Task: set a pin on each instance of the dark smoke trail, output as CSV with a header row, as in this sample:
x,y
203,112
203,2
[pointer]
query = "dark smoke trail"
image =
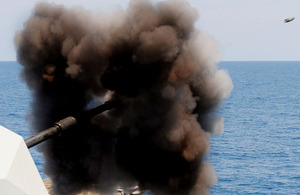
x,y
159,69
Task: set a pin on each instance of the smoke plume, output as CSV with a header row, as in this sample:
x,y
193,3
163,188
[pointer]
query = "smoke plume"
x,y
159,69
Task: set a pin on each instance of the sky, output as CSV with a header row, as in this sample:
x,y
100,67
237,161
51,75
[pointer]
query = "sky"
x,y
245,30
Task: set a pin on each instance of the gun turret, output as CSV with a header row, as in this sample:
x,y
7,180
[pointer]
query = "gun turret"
x,y
66,123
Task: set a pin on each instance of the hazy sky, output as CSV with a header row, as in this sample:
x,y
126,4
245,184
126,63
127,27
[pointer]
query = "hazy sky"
x,y
244,29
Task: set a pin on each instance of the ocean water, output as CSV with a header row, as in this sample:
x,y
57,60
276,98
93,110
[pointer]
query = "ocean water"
x,y
259,151
15,101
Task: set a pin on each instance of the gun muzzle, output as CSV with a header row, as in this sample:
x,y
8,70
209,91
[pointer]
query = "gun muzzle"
x,y
66,123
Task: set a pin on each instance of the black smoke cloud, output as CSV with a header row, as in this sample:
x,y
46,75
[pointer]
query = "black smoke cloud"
x,y
161,71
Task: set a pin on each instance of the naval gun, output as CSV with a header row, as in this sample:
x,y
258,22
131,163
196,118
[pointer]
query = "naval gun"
x,y
66,123
16,164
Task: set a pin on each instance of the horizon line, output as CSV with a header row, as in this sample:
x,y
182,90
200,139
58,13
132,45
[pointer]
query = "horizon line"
x,y
220,60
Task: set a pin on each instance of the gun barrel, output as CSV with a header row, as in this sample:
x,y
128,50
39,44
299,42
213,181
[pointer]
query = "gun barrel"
x,y
65,124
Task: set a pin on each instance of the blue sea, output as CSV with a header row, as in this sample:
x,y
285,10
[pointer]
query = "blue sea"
x,y
259,151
